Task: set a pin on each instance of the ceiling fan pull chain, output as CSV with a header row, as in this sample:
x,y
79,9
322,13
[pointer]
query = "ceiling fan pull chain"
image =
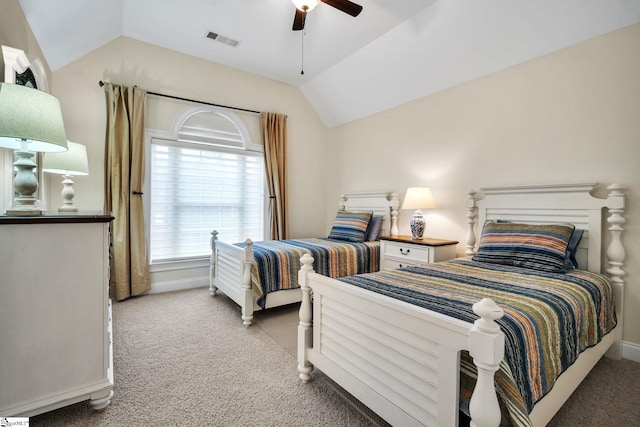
x,y
302,56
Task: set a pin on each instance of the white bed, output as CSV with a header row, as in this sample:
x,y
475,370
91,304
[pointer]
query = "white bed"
x,y
230,268
398,395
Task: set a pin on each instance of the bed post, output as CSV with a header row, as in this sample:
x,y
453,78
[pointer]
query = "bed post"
x,y
615,258
213,264
486,346
342,204
472,215
394,203
305,327
247,307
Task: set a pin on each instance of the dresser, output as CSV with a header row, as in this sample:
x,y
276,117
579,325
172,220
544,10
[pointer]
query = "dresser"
x,y
403,251
55,313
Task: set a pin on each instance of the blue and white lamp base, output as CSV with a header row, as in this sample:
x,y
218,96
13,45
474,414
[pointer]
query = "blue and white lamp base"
x,y
417,224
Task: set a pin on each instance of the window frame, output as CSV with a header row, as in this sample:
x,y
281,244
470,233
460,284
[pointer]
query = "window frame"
x,y
173,137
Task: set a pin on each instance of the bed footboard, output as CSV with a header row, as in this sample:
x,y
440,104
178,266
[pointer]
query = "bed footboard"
x,y
230,272
398,359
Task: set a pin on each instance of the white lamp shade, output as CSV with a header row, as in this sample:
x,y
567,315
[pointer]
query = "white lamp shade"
x,y
72,162
30,116
310,4
418,198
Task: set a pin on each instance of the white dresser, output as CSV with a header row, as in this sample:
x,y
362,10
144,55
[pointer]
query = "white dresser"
x,y
55,313
403,251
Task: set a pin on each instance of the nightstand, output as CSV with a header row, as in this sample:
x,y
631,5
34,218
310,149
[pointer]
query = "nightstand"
x,y
403,251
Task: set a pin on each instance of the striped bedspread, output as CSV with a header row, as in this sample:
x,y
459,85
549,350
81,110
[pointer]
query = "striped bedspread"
x,y
277,262
549,319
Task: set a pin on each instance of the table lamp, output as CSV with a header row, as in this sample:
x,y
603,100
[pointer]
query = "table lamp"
x,y
30,120
68,163
418,198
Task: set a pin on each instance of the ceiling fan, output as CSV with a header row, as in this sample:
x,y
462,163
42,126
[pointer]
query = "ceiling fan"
x,y
304,6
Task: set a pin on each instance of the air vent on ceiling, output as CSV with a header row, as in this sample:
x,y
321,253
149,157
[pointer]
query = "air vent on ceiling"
x,y
222,39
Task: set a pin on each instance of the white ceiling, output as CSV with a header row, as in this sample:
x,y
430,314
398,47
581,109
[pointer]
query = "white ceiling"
x,y
393,52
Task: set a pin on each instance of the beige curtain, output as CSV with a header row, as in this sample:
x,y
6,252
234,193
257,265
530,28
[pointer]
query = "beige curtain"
x,y
274,137
124,175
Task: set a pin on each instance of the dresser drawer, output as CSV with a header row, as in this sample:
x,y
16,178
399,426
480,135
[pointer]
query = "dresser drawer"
x,y
406,252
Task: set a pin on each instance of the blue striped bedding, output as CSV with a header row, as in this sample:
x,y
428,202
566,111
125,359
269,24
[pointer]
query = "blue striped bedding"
x,y
549,319
277,262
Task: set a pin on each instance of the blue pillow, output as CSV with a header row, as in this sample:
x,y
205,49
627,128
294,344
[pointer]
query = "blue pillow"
x,y
570,260
373,230
350,226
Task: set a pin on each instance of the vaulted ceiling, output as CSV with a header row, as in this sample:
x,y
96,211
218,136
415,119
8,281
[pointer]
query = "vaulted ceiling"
x,y
393,52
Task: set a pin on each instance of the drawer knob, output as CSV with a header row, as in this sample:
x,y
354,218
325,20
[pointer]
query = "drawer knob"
x,y
405,251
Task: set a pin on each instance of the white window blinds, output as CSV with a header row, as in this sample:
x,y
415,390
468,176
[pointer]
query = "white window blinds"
x,y
197,188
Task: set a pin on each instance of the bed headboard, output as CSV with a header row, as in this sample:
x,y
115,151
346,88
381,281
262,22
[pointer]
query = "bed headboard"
x,y
380,203
549,204
566,203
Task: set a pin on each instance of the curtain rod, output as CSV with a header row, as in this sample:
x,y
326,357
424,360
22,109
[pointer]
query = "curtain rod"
x,y
101,83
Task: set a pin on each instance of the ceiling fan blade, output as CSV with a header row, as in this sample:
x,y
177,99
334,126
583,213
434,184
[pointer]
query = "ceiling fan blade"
x,y
298,20
345,6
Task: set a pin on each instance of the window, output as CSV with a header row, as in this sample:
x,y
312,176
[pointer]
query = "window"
x,y
210,178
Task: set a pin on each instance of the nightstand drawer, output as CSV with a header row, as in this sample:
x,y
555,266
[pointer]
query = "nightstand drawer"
x,y
406,252
392,264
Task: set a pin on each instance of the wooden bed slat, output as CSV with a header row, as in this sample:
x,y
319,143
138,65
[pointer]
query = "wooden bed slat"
x,y
413,369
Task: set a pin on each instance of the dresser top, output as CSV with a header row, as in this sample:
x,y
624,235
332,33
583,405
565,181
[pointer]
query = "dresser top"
x,y
425,241
55,217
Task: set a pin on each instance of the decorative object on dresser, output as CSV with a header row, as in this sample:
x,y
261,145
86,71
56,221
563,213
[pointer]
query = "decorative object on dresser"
x,y
68,163
24,69
404,251
55,312
418,198
31,120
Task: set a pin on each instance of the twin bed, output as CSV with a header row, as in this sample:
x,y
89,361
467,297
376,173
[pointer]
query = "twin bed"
x,y
407,343
421,346
263,275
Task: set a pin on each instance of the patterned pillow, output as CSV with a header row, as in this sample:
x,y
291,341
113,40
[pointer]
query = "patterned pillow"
x,y
539,247
350,226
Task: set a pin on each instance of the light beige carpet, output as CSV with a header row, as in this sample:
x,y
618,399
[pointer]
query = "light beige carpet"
x,y
184,359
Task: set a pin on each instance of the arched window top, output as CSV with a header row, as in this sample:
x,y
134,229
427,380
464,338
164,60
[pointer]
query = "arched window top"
x,y
213,126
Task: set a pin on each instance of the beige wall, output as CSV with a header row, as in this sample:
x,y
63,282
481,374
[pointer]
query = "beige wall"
x,y
130,62
572,116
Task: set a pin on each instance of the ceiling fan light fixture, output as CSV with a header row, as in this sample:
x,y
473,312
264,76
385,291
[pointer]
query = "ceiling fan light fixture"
x,y
305,5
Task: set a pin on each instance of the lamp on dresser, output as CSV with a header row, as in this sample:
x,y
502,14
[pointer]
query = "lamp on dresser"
x,y
30,120
418,198
68,163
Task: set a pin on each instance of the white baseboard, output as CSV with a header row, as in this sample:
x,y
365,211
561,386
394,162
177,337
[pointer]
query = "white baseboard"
x,y
631,351
179,285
